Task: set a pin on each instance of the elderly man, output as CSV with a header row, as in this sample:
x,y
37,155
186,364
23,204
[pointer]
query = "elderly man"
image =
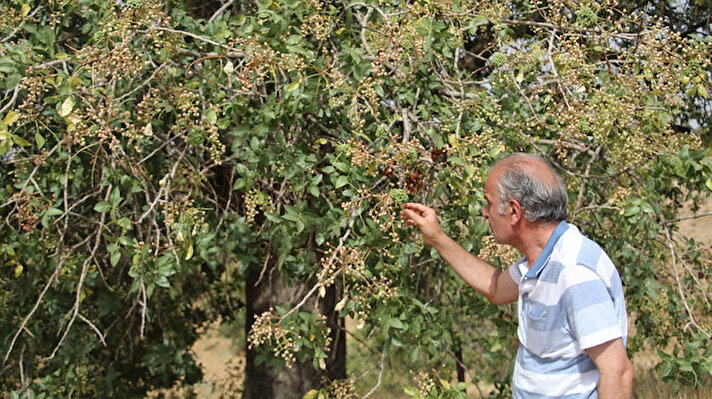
x,y
572,317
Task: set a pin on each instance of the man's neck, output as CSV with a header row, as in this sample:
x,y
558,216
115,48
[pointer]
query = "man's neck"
x,y
534,238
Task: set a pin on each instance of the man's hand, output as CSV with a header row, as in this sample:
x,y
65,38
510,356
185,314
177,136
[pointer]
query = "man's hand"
x,y
496,286
425,219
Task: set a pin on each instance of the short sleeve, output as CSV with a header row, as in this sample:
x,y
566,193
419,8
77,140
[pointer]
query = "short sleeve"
x,y
514,271
590,313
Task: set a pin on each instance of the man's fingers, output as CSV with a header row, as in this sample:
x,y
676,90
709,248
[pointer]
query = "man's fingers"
x,y
420,208
412,218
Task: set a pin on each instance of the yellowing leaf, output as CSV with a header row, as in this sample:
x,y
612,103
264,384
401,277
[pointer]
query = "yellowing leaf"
x,y
340,306
189,252
311,394
293,86
20,141
453,140
67,107
229,68
148,130
25,10
11,118
708,183
18,270
702,91
322,363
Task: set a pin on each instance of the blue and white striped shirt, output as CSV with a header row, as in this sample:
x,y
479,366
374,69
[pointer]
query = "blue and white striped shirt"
x,y
571,299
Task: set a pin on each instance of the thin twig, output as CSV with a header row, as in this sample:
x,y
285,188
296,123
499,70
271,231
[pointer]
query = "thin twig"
x,y
579,200
12,100
382,366
93,327
82,277
144,83
19,25
165,187
311,292
143,302
688,217
678,279
220,10
234,52
34,308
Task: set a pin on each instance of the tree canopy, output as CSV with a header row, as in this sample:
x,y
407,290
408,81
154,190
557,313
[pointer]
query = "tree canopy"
x,y
162,159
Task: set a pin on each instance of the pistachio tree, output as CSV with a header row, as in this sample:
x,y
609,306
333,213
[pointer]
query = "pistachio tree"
x,y
168,164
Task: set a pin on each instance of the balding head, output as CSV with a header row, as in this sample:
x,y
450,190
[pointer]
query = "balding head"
x,y
534,184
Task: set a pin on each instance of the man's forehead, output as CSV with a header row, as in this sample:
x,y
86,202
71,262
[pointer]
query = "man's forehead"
x,y
491,179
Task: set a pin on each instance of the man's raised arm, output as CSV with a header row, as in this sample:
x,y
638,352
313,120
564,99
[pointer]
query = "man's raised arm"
x,y
494,284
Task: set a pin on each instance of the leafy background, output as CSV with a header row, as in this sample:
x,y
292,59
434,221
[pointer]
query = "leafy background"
x,y
166,165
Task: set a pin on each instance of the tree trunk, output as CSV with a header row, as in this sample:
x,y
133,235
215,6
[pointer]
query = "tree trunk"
x,y
287,383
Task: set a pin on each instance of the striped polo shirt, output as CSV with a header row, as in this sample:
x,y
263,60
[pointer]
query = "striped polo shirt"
x,y
571,299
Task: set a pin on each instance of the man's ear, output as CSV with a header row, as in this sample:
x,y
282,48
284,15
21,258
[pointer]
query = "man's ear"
x,y
515,211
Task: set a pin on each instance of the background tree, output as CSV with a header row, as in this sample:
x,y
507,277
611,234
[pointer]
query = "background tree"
x,y
165,164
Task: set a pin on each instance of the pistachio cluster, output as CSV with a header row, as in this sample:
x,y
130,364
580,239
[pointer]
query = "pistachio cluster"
x,y
36,88
341,389
425,383
282,336
495,253
183,219
255,199
266,330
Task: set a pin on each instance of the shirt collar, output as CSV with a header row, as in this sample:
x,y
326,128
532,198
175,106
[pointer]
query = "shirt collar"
x,y
543,258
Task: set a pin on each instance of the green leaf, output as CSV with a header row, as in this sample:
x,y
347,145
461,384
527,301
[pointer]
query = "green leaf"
x,y
102,207
124,223
39,140
396,323
341,181
115,257
55,212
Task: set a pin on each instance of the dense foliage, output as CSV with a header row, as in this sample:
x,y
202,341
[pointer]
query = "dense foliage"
x,y
156,153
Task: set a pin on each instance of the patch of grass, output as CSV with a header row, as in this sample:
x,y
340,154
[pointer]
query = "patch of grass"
x,y
649,385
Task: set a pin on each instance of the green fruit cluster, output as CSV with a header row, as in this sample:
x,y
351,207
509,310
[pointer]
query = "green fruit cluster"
x,y
498,59
586,17
196,137
399,196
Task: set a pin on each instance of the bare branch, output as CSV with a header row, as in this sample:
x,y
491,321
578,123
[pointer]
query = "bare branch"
x,y
12,100
688,217
93,327
82,277
233,51
381,364
678,279
220,10
582,187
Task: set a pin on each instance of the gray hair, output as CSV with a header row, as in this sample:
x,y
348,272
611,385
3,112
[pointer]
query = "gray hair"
x,y
541,200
